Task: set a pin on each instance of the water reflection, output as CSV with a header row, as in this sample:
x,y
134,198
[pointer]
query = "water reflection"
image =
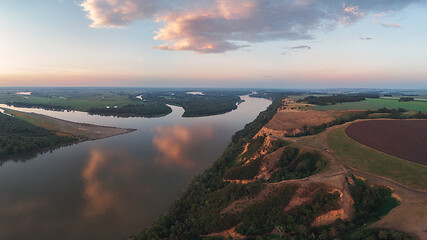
x,y
111,188
99,197
176,143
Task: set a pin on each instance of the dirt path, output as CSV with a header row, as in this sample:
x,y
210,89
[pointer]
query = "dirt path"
x,y
410,216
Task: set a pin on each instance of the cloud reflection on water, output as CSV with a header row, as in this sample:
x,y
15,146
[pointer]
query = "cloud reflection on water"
x,y
176,144
105,177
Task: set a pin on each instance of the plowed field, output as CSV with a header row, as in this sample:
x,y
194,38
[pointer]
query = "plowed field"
x,y
406,139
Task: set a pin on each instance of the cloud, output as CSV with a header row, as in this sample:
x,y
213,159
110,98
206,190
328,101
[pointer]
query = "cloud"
x,y
295,49
119,13
353,10
216,26
301,47
388,24
382,14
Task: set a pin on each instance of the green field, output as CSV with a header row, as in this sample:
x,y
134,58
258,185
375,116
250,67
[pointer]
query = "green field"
x,y
78,102
372,161
126,102
375,103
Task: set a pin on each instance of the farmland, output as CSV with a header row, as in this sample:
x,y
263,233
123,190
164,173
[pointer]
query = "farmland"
x,y
369,160
406,139
375,103
126,102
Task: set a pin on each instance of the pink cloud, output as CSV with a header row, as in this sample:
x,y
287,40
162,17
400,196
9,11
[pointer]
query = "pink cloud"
x,y
118,13
354,10
216,26
388,24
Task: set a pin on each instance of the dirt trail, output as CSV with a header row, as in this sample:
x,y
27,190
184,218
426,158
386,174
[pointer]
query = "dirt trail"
x,y
410,216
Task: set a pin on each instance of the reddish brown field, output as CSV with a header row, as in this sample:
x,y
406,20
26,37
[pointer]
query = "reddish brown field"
x,y
405,139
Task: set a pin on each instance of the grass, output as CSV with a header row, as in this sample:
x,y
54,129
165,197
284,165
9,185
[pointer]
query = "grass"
x,y
372,161
375,103
35,120
80,104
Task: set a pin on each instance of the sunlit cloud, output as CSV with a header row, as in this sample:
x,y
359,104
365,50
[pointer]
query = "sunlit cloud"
x,y
216,26
118,13
382,14
389,25
353,10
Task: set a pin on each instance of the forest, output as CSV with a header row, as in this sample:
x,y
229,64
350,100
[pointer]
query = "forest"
x,y
20,137
406,99
339,98
294,164
133,110
210,102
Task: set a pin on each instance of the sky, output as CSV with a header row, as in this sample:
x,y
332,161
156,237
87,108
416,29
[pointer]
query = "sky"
x,y
214,43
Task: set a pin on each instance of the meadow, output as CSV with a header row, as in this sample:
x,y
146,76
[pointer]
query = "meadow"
x,y
376,103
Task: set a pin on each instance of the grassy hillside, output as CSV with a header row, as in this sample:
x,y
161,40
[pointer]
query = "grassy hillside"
x,y
372,161
375,103
211,205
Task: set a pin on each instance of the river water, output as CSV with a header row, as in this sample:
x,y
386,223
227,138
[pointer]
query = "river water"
x,y
113,187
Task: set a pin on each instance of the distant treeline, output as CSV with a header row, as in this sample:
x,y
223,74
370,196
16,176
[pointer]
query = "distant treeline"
x,y
210,103
39,105
340,98
207,108
134,110
20,137
273,94
406,99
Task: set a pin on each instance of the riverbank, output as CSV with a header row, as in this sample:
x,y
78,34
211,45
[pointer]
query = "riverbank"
x,y
83,131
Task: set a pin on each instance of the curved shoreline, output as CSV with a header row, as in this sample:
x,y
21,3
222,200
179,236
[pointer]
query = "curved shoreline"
x,y
81,131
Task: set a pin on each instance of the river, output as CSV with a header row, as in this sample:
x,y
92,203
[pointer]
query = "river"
x,y
113,187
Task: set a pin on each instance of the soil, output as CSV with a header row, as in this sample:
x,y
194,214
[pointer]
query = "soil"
x,y
406,139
